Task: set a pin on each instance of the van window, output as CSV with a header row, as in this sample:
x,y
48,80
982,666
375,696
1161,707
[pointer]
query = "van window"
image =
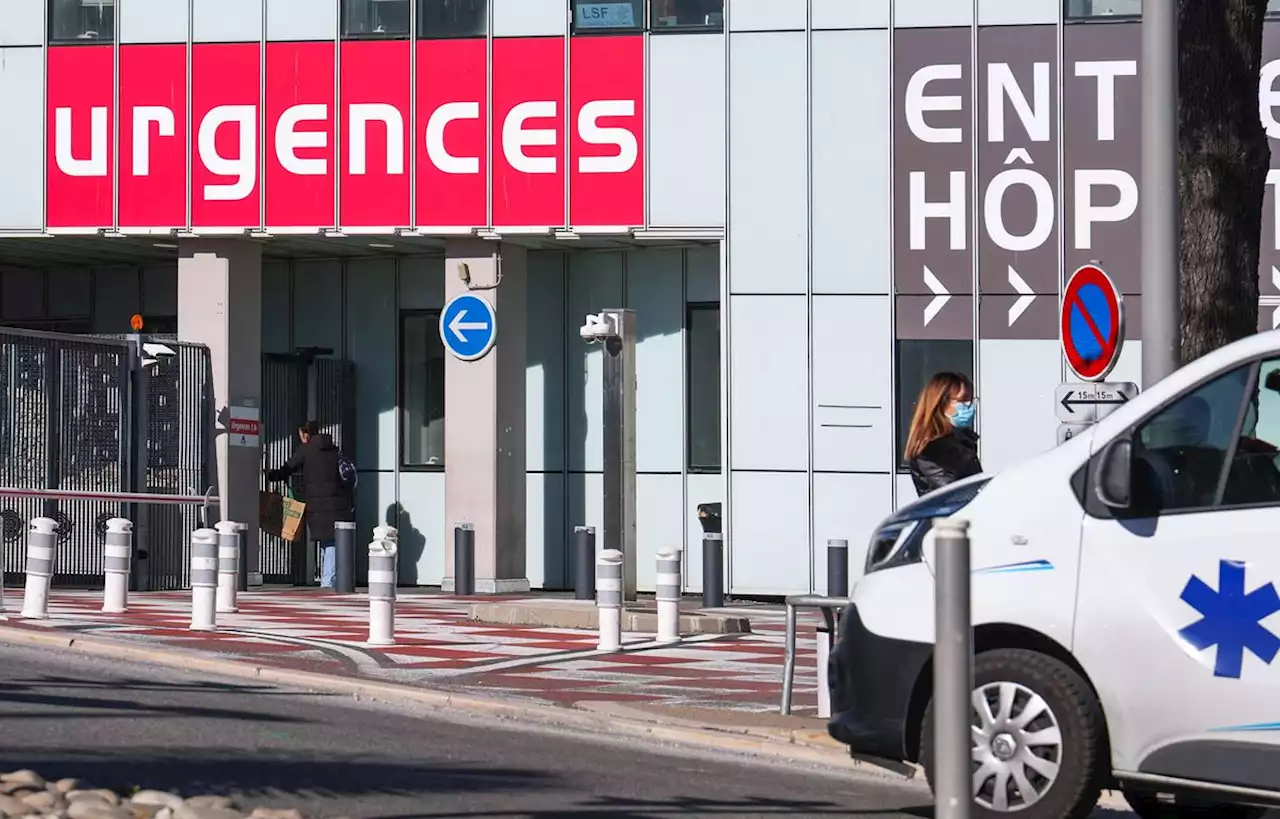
x,y
1254,476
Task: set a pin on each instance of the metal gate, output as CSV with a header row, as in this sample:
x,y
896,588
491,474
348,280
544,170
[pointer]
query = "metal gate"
x,y
295,389
66,422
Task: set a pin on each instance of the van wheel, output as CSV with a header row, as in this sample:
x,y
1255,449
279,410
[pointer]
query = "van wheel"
x,y
1037,738
1149,806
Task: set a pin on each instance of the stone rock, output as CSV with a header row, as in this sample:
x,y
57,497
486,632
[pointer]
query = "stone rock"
x,y
98,795
96,809
43,801
10,806
269,813
25,779
159,799
189,811
164,813
14,788
69,785
221,802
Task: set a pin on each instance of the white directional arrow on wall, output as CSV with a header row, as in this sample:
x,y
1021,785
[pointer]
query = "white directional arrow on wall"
x,y
1275,277
1025,296
941,296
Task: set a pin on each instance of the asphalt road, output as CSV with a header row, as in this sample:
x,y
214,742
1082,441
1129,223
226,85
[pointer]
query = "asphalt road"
x,y
122,725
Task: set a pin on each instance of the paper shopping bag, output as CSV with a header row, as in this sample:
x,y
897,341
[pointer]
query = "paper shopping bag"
x,y
291,528
270,512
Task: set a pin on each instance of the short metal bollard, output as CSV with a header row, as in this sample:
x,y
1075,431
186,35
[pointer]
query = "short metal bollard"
x,y
383,573
823,658
117,559
952,671
837,568
668,596
42,541
712,570
242,562
228,565
344,556
204,580
464,560
609,599
584,562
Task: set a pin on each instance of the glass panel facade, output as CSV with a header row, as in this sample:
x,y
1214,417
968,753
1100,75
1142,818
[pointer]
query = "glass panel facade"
x,y
82,21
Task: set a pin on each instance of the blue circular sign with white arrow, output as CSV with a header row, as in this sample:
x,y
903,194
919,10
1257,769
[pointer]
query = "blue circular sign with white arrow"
x,y
468,326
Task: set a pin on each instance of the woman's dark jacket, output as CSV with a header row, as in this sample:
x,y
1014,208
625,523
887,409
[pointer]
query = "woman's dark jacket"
x,y
327,500
946,460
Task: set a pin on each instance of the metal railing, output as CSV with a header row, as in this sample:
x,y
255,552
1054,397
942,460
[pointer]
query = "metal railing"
x,y
828,606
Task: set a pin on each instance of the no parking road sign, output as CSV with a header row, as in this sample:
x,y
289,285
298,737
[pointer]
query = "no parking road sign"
x,y
468,326
1092,323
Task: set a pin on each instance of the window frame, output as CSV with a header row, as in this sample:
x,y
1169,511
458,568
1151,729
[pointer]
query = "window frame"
x,y
643,26
1069,19
433,315
419,34
903,430
690,467
51,17
345,36
682,29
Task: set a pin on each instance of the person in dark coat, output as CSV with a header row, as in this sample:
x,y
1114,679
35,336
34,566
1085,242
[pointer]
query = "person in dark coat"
x,y
327,498
942,447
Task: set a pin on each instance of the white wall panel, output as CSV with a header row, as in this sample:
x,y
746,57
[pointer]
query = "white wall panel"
x,y
422,528
546,535
770,547
768,194
372,328
301,19
595,283
422,283
827,14
544,380
847,507
703,274
931,13
1017,12
1015,400
852,384
70,292
22,138
851,161
659,523
116,298
529,18
686,141
655,284
768,406
227,21
22,23
698,489
160,291
317,305
375,505
766,15
152,21
585,502
276,298
906,491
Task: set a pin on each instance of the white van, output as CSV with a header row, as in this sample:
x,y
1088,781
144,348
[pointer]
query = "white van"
x,y
1126,617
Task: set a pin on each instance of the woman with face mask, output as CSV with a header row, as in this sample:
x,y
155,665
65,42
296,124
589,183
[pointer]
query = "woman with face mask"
x,y
942,446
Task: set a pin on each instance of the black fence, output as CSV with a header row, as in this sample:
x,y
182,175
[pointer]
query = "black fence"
x,y
66,422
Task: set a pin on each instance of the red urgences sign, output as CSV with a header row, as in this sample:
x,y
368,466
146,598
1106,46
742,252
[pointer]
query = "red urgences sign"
x,y
376,156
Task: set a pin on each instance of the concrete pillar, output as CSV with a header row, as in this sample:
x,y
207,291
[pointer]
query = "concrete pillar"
x,y
220,306
484,438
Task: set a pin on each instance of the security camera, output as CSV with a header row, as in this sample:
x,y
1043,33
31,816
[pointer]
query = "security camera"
x,y
598,328
155,353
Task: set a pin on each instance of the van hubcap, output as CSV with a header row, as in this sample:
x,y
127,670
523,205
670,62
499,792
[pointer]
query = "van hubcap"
x,y
1017,747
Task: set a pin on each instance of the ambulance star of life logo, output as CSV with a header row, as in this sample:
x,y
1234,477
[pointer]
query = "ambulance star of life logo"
x,y
1231,619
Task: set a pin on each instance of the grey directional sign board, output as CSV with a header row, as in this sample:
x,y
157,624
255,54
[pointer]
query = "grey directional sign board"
x,y
1068,431
1090,403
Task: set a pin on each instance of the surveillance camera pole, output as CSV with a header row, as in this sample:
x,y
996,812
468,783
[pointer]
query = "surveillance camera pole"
x,y
135,475
619,417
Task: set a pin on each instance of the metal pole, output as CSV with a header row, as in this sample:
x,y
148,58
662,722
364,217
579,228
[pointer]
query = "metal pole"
x,y
464,560
712,570
788,660
1159,191
952,672
584,562
117,554
837,568
344,555
618,427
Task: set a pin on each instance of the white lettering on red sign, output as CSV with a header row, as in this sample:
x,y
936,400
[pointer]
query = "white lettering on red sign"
x,y
96,163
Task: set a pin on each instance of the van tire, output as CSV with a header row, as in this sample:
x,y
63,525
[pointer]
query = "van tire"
x,y
1083,764
1148,806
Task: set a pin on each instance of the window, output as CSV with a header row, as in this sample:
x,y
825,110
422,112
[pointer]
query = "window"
x,y
917,361
703,368
452,18
421,390
668,15
608,15
375,18
1084,9
82,21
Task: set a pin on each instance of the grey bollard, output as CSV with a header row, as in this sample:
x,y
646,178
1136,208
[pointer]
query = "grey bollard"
x,y
712,570
837,568
952,672
42,543
204,580
117,555
584,562
668,591
228,565
464,560
344,556
609,599
242,562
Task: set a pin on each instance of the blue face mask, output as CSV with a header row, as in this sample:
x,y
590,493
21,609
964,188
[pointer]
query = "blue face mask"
x,y
963,416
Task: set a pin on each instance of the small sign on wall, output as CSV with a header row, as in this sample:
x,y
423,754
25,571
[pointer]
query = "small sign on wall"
x,y
243,427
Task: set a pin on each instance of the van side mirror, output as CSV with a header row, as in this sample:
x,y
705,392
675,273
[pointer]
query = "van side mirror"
x,y
1272,381
1113,480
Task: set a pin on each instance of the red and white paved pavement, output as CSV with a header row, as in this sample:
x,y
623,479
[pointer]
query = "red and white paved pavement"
x,y
438,646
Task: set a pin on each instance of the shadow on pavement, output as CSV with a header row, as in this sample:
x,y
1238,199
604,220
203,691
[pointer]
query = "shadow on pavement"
x,y
655,808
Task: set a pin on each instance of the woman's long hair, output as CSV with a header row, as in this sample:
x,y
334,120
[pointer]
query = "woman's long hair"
x,y
929,422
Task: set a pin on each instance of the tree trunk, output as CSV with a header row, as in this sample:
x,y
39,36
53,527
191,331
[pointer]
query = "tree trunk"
x,y
1223,161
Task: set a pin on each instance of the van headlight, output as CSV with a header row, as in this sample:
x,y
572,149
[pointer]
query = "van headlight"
x,y
900,540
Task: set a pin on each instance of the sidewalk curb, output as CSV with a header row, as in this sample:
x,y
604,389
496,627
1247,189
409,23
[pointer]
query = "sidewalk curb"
x,y
779,746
